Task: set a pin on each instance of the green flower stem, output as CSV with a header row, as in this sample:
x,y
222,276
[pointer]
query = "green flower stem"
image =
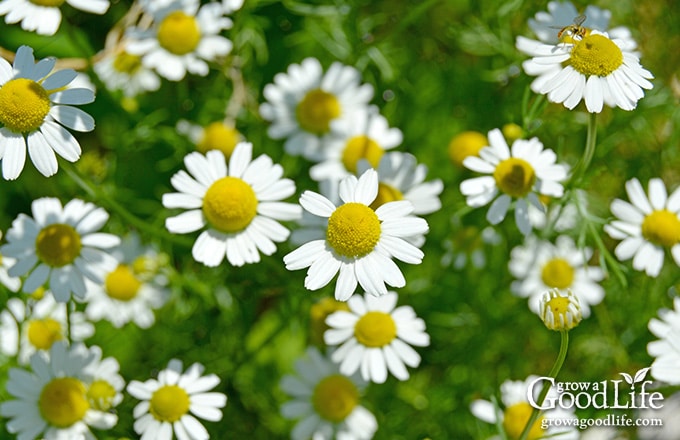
x,y
591,137
554,371
98,194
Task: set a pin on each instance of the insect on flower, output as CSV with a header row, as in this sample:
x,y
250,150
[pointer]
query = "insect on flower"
x,y
572,31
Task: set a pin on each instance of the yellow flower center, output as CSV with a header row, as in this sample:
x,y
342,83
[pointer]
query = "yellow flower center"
x,y
375,329
467,143
361,147
229,204
515,419
557,273
179,33
169,403
217,136
63,402
596,55
662,228
386,193
318,313
559,305
58,245
512,132
127,63
515,177
335,397
122,284
23,105
100,395
353,230
47,2
316,111
38,294
42,333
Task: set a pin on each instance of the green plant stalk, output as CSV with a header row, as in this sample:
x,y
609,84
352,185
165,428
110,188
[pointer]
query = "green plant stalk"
x,y
554,371
589,152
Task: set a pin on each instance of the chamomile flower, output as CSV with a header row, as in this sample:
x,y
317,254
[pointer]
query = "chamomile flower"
x,y
239,205
120,70
105,387
648,225
665,350
175,401
303,104
60,246
33,103
374,337
517,409
131,291
363,135
326,402
12,283
54,400
217,135
560,310
595,68
357,241
44,16
401,177
521,173
540,265
464,144
39,324
182,38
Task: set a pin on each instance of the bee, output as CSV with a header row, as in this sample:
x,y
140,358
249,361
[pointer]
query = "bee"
x,y
574,30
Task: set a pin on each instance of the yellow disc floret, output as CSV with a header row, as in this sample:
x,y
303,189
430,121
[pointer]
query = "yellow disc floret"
x,y
596,55
230,204
375,329
515,418
58,245
100,394
63,402
127,63
662,227
169,403
122,284
335,397
179,33
515,177
361,147
42,333
467,143
316,111
353,230
557,273
386,193
23,105
217,136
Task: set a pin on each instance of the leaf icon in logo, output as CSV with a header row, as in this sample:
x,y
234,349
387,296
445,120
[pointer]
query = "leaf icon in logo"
x,y
628,378
640,375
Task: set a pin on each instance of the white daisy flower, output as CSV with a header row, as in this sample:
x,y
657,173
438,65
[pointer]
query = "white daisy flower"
x,y
38,325
60,246
51,401
175,401
375,337
595,68
239,205
303,103
666,350
12,283
540,265
105,385
357,241
325,401
561,14
523,172
130,293
217,135
32,107
44,16
182,38
120,70
401,177
516,411
647,225
365,134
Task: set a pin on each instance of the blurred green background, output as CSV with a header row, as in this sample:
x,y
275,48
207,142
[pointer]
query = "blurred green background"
x,y
438,68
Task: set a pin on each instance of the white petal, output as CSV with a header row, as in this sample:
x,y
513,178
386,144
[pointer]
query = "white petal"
x,y
72,117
